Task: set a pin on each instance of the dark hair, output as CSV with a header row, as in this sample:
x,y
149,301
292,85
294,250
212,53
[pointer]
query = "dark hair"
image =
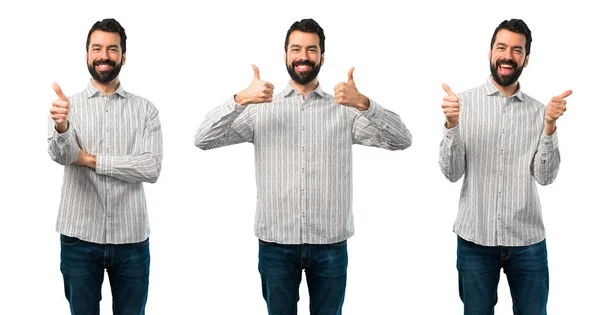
x,y
306,26
515,26
111,26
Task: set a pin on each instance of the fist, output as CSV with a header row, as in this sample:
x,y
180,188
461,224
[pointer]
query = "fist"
x,y
347,94
258,92
60,109
557,107
451,107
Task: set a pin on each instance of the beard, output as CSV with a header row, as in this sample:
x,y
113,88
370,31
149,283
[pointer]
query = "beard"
x,y
304,77
104,76
505,80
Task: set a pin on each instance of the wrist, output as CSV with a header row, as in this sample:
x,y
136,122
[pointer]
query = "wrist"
x,y
451,124
240,99
61,128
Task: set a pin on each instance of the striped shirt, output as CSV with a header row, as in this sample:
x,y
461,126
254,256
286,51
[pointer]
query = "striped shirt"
x,y
107,205
303,156
500,146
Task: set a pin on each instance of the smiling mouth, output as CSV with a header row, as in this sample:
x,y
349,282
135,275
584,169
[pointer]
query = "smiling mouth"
x,y
505,69
103,67
302,68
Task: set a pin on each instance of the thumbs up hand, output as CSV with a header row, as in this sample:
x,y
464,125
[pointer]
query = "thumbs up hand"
x,y
258,92
347,94
60,109
451,107
555,109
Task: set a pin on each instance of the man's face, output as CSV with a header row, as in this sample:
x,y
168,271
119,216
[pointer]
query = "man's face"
x,y
104,57
303,57
507,57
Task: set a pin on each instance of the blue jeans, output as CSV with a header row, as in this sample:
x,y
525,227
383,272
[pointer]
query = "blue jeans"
x,y
526,269
82,265
281,267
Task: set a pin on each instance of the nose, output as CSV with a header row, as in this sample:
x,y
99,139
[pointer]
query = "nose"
x,y
303,54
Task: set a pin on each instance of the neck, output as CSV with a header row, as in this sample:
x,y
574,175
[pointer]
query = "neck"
x,y
306,88
107,88
507,90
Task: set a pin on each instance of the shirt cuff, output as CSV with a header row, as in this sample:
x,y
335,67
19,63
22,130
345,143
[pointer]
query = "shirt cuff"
x,y
103,165
374,112
549,143
452,132
231,106
65,136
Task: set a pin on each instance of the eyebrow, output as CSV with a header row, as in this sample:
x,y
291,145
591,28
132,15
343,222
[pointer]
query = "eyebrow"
x,y
513,47
110,46
300,46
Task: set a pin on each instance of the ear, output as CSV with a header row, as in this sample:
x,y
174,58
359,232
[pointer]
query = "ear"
x,y
526,61
490,55
87,55
322,59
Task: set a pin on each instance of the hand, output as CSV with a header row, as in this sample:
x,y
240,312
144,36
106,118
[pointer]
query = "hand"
x,y
347,94
258,92
86,159
60,109
555,109
451,107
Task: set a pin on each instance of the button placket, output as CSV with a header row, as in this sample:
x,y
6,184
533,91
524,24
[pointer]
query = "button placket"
x,y
303,163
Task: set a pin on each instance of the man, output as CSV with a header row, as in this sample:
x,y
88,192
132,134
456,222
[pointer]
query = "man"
x,y
109,141
303,146
502,140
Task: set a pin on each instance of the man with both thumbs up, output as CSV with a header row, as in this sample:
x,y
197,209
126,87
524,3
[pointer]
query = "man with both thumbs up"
x,y
303,140
109,141
503,141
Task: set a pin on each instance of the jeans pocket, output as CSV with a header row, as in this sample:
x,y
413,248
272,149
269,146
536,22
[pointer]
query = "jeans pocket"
x,y
68,240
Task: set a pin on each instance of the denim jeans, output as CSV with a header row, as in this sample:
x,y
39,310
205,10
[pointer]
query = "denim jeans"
x,y
281,267
526,269
82,265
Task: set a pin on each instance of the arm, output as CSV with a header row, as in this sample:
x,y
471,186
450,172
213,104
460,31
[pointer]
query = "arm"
x,y
143,165
546,161
381,128
231,123
452,154
62,147
225,125
62,142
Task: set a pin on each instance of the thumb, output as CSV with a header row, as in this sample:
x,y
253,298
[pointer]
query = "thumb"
x,y
447,89
566,93
58,91
351,75
256,73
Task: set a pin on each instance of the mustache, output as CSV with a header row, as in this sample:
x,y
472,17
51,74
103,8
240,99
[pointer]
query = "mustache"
x,y
506,62
303,63
104,62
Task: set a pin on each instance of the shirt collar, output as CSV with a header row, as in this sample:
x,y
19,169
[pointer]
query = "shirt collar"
x,y
289,90
92,91
491,89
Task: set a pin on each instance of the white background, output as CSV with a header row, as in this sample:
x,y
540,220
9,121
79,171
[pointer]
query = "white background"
x,y
188,59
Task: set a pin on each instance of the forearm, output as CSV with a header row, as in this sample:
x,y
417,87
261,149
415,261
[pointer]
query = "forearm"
x,y
384,129
216,129
62,147
546,161
452,155
130,168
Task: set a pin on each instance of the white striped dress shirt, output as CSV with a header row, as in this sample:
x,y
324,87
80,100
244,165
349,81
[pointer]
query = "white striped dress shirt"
x,y
501,148
107,205
303,156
